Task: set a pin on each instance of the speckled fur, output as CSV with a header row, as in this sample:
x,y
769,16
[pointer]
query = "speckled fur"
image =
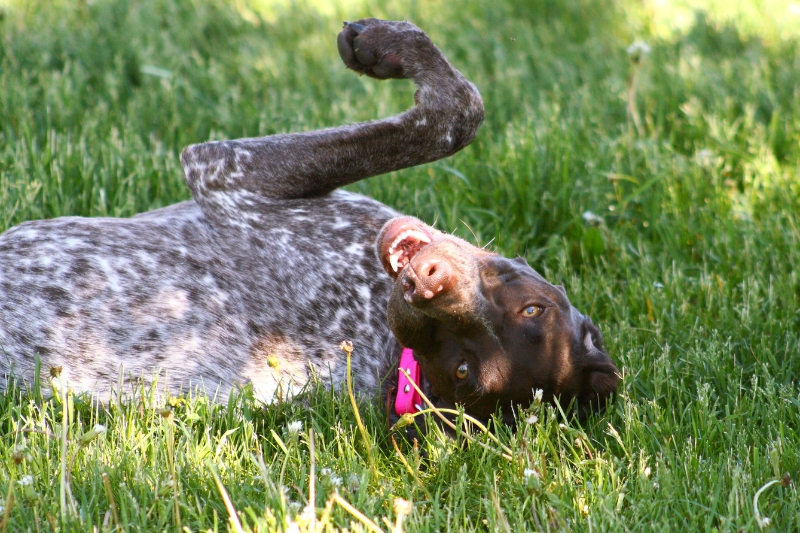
x,y
261,276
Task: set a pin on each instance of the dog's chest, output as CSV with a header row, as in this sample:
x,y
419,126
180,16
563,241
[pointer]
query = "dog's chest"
x,y
309,279
299,278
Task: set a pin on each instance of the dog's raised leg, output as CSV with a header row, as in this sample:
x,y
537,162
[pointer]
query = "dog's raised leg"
x,y
229,178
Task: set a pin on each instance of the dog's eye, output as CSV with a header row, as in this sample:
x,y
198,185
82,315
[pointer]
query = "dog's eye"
x,y
532,311
462,370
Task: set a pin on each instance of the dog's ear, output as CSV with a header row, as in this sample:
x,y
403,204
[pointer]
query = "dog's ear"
x,y
598,376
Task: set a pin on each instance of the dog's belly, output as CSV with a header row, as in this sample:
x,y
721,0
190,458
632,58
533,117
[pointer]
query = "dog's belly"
x,y
164,293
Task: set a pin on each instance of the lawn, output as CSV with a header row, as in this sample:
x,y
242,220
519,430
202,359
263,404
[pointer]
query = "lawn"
x,y
660,185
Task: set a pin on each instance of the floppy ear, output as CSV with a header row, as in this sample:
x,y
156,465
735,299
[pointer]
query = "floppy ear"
x,y
599,376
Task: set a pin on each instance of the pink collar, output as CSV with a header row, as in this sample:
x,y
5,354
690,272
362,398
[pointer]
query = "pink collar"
x,y
408,399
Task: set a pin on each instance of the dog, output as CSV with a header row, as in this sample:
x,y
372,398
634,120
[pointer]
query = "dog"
x,y
260,277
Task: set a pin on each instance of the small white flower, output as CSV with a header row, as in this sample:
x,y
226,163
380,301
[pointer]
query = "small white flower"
x,y
308,513
532,419
591,218
658,285
336,481
2,509
704,157
766,521
638,49
294,507
647,471
26,480
325,472
21,445
402,507
656,486
92,434
294,427
530,472
537,395
353,482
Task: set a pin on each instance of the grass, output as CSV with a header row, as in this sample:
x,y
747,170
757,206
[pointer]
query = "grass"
x,y
686,258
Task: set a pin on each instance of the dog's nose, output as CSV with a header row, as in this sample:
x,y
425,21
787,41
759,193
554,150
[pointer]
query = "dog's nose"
x,y
426,279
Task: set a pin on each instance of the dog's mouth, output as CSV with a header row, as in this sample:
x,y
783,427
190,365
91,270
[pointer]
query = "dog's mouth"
x,y
404,247
400,241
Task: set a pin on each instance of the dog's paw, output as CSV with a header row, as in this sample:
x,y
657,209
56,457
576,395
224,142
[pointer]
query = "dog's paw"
x,y
384,49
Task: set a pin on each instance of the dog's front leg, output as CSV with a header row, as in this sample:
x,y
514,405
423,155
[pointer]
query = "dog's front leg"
x,y
230,177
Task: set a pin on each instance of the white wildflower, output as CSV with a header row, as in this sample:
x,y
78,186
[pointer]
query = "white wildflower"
x,y
353,482
28,493
537,395
402,507
704,157
638,49
325,472
90,435
336,481
658,285
294,507
530,472
20,451
2,509
21,446
765,521
532,479
532,419
647,471
591,218
294,427
308,514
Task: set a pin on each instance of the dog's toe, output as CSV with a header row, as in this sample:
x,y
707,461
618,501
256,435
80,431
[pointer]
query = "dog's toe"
x,y
374,47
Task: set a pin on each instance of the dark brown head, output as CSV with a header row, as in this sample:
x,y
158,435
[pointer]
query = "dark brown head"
x,y
488,331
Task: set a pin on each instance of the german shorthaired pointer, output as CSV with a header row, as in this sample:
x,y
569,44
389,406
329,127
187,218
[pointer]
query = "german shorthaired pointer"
x,y
269,268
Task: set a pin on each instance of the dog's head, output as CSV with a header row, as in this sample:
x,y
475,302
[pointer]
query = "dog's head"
x,y
489,331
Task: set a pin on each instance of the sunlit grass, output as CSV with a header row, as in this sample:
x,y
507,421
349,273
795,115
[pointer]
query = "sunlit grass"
x,y
767,19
